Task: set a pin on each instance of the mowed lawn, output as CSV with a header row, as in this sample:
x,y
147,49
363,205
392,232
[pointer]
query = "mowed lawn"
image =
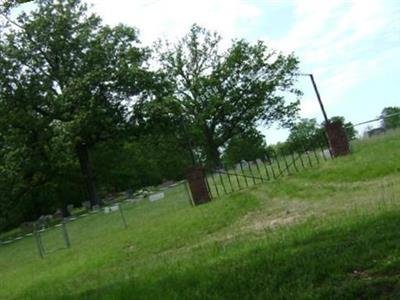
x,y
331,232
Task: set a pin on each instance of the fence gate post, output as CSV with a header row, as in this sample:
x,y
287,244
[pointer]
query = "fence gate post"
x,y
337,138
195,176
65,234
36,235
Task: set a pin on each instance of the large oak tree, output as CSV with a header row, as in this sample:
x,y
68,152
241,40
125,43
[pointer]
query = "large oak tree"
x,y
222,92
60,64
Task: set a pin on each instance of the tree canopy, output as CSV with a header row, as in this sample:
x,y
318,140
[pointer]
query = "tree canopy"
x,y
249,145
223,92
307,132
67,84
391,117
87,111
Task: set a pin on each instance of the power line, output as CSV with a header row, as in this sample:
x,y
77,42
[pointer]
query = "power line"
x,y
377,119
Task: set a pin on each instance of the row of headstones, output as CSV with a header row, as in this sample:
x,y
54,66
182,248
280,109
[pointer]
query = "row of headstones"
x,y
47,221
54,220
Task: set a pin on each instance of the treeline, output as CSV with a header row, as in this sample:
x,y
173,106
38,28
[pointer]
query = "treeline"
x,y
86,110
305,134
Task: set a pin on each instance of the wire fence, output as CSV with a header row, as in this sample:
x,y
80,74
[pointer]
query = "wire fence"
x,y
64,234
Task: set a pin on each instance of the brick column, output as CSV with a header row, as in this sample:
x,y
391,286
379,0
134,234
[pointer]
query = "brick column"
x,y
337,138
197,184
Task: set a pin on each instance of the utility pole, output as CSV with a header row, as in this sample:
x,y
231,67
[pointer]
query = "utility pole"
x,y
334,131
319,98
321,105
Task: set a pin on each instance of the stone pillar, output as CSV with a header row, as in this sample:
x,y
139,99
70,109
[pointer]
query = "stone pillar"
x,y
197,184
337,138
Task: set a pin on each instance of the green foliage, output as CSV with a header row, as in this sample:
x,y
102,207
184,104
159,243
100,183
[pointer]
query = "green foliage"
x,y
249,146
66,84
68,120
8,5
146,161
222,93
391,117
305,134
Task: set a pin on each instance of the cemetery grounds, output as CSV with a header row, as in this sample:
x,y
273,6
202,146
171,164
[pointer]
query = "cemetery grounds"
x,y
330,232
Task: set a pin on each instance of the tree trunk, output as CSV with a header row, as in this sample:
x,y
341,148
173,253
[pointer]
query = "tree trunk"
x,y
83,155
213,155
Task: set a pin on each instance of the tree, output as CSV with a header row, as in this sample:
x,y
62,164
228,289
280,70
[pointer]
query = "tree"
x,y
304,134
307,133
222,93
61,65
391,117
249,146
144,161
7,5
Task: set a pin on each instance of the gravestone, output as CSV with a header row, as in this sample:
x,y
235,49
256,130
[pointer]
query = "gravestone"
x,y
129,194
114,207
244,164
156,197
86,205
96,207
70,208
326,153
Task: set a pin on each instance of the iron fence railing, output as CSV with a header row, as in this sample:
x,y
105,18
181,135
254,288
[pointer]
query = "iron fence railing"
x,y
244,174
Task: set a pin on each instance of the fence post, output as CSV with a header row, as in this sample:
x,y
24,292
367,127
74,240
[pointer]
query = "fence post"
x,y
65,234
338,142
38,241
188,192
122,215
215,184
229,178
197,184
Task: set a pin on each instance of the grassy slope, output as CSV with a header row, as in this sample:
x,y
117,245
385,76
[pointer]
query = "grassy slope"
x,y
328,233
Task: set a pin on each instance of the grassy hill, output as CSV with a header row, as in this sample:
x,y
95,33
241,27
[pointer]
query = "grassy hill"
x,y
327,233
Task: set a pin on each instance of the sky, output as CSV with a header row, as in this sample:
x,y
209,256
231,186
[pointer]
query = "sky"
x,y
351,47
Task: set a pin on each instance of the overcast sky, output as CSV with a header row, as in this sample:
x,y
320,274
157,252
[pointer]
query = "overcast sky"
x,y
351,47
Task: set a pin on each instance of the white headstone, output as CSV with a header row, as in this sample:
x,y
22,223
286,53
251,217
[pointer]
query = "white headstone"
x,y
326,153
156,197
114,208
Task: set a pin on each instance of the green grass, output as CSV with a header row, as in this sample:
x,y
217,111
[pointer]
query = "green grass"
x,y
326,233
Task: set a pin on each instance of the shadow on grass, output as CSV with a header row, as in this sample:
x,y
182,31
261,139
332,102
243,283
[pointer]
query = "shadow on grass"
x,y
357,260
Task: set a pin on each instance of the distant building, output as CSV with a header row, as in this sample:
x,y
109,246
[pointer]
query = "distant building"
x,y
375,131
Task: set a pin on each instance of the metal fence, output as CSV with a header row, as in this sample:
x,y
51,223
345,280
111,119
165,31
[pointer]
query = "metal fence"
x,y
244,174
72,232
